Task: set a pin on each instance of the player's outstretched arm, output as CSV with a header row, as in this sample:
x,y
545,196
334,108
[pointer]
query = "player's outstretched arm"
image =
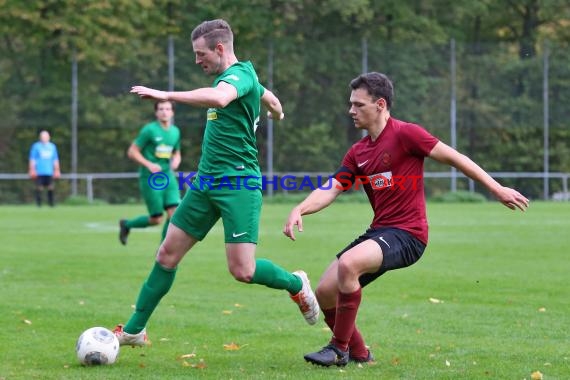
x,y
273,105
215,97
316,201
507,196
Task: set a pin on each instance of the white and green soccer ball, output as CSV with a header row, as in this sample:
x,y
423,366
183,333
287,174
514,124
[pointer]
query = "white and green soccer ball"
x,y
97,346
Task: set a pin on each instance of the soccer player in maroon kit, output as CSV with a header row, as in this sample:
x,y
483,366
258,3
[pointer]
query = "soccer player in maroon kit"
x,y
389,164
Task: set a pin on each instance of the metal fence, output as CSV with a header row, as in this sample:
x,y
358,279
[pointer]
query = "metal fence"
x,y
509,114
90,184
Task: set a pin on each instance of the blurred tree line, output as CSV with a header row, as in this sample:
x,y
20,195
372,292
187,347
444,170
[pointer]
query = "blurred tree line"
x,y
317,49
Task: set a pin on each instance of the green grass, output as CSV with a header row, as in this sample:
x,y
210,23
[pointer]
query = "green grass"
x,y
64,270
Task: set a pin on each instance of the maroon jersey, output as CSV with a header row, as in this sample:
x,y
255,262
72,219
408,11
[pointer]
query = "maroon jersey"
x,y
391,171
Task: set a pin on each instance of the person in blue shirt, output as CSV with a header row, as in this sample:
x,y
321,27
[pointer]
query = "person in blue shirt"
x,y
43,166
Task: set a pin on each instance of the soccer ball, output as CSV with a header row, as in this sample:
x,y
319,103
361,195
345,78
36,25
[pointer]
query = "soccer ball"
x,y
97,346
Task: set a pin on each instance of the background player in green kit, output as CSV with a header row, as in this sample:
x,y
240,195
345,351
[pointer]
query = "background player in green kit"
x,y
229,152
156,149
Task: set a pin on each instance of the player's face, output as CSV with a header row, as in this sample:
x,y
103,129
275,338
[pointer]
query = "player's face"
x,y
365,112
164,112
209,60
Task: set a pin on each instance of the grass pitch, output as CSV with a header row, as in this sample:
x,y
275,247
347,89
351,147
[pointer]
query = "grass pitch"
x,y
489,299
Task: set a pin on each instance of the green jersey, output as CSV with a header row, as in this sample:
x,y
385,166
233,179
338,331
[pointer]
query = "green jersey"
x,y
157,145
229,147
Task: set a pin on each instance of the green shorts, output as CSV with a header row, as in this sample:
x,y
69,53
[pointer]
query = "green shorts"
x,y
239,209
158,199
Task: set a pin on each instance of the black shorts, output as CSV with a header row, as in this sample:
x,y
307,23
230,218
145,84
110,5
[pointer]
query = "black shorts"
x,y
44,180
400,249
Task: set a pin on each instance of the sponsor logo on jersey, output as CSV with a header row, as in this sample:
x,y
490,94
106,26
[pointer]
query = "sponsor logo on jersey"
x,y
163,151
380,180
212,114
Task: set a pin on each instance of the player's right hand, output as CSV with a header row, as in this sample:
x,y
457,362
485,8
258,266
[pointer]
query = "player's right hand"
x,y
154,168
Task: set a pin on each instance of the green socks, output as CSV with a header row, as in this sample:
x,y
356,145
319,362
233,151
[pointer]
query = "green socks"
x,y
155,287
138,222
273,276
160,280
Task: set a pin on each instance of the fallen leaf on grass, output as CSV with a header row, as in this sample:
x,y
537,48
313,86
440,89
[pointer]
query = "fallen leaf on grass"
x,y
435,300
542,309
227,312
238,305
187,356
536,375
362,365
200,365
233,347
447,363
27,321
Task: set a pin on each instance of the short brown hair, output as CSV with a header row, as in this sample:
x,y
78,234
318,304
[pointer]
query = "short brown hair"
x,y
214,31
163,101
378,86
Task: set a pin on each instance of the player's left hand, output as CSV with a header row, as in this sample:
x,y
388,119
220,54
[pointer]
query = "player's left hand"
x,y
149,93
270,115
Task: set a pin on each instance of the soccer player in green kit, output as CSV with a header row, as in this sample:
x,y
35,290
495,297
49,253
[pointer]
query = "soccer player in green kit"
x,y
156,149
229,153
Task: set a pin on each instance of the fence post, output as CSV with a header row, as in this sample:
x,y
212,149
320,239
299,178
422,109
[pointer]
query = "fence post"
x,y
453,111
74,102
545,107
364,44
270,120
89,185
